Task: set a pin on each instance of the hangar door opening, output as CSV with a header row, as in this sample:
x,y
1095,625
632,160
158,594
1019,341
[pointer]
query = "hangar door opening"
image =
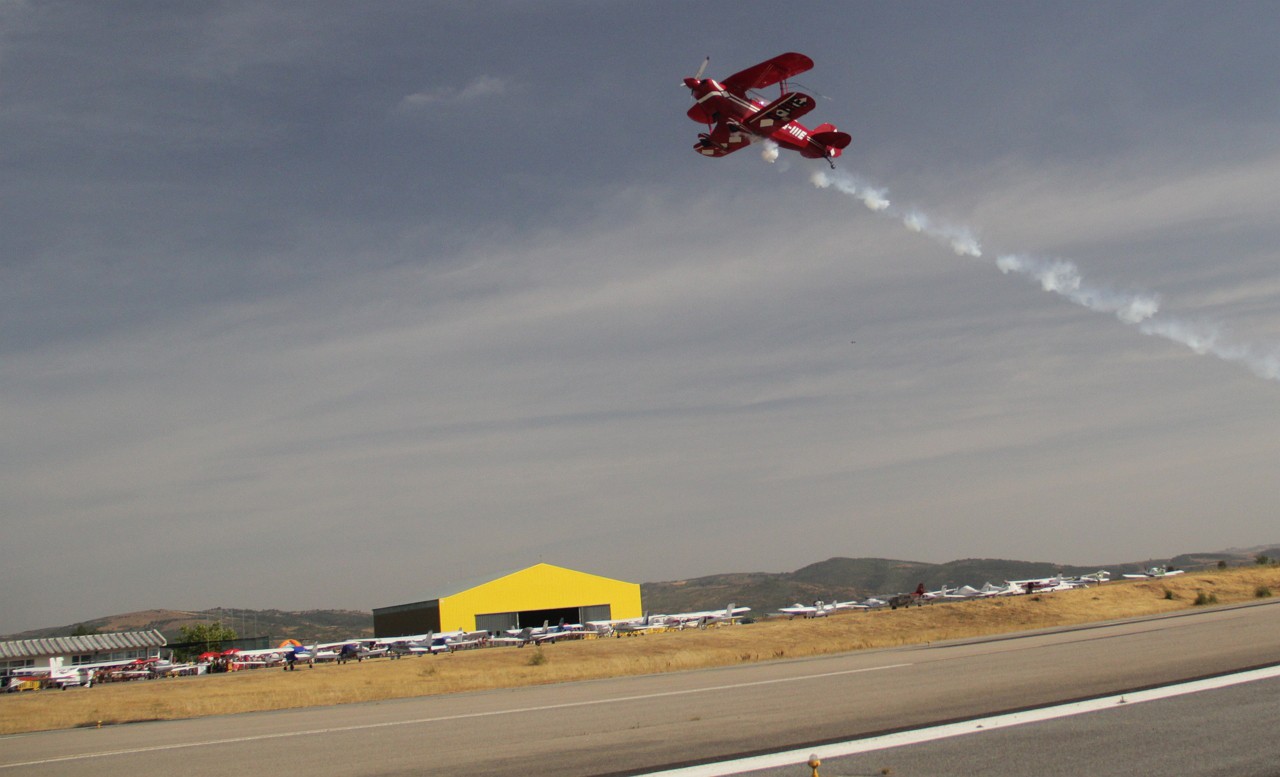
x,y
501,621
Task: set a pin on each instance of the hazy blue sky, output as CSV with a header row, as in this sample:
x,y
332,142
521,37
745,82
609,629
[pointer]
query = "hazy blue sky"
x,y
332,304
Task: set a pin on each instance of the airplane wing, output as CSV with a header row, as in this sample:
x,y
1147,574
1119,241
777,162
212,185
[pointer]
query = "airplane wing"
x,y
260,652
103,664
798,609
780,112
768,73
725,139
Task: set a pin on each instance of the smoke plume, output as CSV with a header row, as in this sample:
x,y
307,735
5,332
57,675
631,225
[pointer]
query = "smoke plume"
x,y
1063,278
769,152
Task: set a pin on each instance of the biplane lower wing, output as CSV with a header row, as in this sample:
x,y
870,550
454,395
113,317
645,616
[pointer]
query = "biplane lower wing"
x,y
780,112
725,139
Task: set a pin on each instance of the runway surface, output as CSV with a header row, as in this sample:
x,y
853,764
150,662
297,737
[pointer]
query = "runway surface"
x,y
634,725
1242,701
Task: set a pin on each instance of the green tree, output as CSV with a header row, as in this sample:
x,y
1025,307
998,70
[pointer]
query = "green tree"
x,y
207,636
83,630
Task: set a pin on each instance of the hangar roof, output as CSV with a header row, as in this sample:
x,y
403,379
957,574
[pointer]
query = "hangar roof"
x,y
457,587
451,589
89,643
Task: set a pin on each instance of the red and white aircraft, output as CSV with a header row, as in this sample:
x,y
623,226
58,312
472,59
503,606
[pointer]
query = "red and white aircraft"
x,y
735,118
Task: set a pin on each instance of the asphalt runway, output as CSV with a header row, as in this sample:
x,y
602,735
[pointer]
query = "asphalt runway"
x,y
1221,732
640,724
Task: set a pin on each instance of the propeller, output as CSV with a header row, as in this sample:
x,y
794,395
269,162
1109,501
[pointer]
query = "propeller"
x,y
692,82
698,75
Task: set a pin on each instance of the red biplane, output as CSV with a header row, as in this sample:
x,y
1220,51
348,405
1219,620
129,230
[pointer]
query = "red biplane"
x,y
735,118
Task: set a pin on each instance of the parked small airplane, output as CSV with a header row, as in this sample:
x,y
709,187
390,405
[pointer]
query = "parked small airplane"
x,y
1156,572
408,645
735,118
341,652
51,677
1039,585
543,634
56,675
1101,576
630,626
458,640
989,589
706,618
820,609
166,667
814,610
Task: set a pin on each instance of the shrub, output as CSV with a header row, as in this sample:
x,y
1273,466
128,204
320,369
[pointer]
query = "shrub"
x,y
1204,598
538,658
1169,594
1262,592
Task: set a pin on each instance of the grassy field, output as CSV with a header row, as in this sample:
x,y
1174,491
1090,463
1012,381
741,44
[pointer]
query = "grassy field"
x,y
264,689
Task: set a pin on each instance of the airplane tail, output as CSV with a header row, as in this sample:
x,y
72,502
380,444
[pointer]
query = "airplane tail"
x,y
830,137
827,143
827,135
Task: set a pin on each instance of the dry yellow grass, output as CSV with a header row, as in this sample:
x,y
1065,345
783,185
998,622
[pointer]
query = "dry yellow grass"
x,y
498,668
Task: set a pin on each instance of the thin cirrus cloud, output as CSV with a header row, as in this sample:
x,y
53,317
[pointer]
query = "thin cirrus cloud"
x,y
477,88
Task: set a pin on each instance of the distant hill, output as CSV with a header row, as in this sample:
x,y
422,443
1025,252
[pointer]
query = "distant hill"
x,y
837,579
845,579
308,625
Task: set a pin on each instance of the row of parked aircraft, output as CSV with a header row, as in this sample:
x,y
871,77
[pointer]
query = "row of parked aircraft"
x,y
292,653
958,593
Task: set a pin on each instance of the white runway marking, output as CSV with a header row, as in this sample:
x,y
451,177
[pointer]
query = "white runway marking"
x,y
442,718
916,736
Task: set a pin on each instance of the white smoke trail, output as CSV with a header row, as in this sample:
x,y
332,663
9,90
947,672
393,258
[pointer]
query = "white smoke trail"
x,y
770,152
1063,278
958,239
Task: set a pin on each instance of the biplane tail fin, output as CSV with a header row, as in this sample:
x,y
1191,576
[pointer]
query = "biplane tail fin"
x,y
827,144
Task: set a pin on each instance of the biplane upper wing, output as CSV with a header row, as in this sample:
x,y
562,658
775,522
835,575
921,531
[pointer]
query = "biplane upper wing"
x,y
780,112
768,73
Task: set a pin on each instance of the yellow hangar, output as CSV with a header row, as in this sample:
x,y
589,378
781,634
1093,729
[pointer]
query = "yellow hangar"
x,y
542,593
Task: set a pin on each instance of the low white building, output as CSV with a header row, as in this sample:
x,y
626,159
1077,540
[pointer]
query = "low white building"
x,y
56,653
